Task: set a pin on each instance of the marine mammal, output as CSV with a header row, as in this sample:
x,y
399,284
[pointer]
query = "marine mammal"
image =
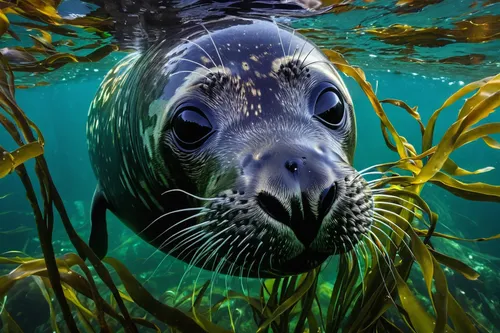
x,y
229,146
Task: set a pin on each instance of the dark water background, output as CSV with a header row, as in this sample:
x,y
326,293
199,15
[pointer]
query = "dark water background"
x,y
60,111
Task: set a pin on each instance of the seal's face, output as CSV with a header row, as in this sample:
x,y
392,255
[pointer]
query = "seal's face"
x,y
263,128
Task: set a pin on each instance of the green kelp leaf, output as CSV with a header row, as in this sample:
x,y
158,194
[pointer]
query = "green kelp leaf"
x,y
420,319
412,111
288,303
440,298
4,23
9,324
455,265
313,323
492,143
490,100
45,293
438,234
18,230
10,161
389,326
3,304
469,191
460,319
453,169
169,315
483,132
429,130
418,202
423,258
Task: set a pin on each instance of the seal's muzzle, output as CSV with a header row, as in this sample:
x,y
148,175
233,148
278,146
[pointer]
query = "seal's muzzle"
x,y
294,185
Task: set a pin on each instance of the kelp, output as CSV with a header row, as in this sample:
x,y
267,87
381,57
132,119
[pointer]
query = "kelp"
x,y
371,291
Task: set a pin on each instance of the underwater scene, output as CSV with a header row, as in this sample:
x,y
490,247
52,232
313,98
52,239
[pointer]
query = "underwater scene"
x,y
250,166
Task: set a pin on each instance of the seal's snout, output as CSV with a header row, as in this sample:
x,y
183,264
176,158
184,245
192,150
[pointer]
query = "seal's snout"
x,y
294,185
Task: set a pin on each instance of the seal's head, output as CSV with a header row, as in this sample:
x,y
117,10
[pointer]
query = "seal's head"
x,y
256,120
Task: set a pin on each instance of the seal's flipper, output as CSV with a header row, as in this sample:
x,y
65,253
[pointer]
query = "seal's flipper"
x,y
98,241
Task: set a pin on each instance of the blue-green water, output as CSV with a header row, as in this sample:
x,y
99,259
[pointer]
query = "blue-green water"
x,y
60,111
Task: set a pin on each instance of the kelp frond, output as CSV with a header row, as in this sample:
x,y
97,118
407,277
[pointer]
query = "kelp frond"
x,y
372,281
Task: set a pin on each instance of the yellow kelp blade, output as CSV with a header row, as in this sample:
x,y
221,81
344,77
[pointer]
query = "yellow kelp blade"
x,y
480,132
10,161
289,302
429,130
470,191
45,293
169,315
356,73
490,95
455,265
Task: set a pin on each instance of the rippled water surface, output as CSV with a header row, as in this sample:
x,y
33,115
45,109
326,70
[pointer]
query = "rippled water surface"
x,y
420,52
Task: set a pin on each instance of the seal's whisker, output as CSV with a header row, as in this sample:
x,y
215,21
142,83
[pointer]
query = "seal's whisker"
x,y
172,212
370,167
168,255
315,62
196,282
373,181
359,265
199,234
211,237
192,240
301,66
248,276
259,269
198,257
372,173
290,43
398,198
397,205
387,236
301,49
382,223
378,209
382,255
215,46
190,194
241,273
189,72
156,268
380,216
196,63
401,237
201,48
227,295
279,36
176,236
215,275
183,230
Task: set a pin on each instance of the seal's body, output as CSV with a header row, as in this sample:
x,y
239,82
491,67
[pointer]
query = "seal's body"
x,y
229,147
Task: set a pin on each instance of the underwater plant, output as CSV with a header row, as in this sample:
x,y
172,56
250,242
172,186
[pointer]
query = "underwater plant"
x,y
371,291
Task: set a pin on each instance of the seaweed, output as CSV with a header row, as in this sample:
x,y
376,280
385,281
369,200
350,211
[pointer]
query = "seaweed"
x,y
371,291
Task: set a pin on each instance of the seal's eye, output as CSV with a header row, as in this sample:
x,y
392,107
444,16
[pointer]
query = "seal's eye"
x,y
191,127
329,107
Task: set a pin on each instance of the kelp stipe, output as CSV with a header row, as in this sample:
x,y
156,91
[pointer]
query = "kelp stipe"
x,y
371,279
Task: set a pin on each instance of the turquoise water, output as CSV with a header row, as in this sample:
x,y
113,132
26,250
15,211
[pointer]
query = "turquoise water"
x,y
60,111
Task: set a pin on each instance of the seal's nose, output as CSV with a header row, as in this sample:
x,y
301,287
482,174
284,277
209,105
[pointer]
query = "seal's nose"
x,y
295,188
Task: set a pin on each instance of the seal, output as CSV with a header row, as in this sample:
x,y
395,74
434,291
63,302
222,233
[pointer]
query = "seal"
x,y
229,146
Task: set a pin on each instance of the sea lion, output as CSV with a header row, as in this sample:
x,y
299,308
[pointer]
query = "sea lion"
x,y
230,146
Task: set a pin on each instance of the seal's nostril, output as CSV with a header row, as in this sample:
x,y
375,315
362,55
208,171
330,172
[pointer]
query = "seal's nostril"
x,y
326,200
273,207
